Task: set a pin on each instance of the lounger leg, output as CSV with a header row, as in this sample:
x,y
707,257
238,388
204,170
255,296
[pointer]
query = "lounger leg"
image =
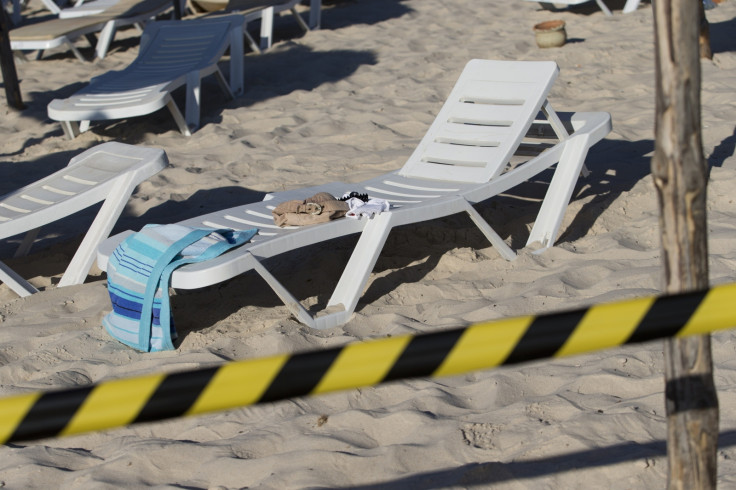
x,y
299,20
78,54
15,282
71,129
236,62
351,284
504,250
251,41
355,276
103,43
296,309
100,229
550,216
559,129
223,83
178,118
315,14
267,29
631,6
554,120
193,100
27,243
603,7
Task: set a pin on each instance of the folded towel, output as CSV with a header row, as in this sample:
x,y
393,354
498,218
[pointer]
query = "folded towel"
x,y
319,208
139,274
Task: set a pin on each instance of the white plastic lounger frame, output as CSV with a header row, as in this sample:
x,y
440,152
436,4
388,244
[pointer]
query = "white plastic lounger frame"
x,y
108,172
467,156
630,6
172,54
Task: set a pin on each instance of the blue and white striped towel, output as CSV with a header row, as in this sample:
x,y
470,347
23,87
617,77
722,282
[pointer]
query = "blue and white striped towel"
x,y
139,274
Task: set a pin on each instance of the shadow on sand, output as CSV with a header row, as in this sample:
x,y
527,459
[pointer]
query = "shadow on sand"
x,y
483,474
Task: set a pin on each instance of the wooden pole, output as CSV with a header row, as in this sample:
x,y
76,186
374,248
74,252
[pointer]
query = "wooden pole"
x,y
680,177
7,64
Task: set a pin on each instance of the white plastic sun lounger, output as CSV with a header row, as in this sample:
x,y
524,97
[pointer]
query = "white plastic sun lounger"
x,y
630,6
466,157
108,172
64,32
172,54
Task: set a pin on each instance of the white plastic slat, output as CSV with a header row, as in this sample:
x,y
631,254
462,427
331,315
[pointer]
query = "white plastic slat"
x,y
243,223
120,97
438,187
388,193
466,156
19,205
486,115
63,186
42,195
259,214
449,172
467,134
89,176
497,92
9,215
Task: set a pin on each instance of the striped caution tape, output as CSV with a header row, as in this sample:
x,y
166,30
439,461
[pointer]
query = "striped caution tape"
x,y
481,346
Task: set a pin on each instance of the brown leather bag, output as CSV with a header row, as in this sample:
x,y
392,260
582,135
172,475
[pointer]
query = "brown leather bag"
x,y
319,208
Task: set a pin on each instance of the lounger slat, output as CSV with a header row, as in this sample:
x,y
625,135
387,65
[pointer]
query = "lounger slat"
x,y
486,115
467,134
17,204
464,156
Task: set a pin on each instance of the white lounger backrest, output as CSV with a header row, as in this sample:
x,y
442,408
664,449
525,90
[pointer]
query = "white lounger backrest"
x,y
168,49
89,178
483,121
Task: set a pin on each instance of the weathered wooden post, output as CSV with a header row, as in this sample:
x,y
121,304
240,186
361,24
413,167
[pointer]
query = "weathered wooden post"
x,y
680,177
10,77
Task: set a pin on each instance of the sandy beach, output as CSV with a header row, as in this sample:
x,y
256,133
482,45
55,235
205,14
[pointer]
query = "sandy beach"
x,y
344,103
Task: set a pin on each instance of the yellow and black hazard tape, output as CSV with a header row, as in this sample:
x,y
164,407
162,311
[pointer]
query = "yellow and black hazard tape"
x,y
121,402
